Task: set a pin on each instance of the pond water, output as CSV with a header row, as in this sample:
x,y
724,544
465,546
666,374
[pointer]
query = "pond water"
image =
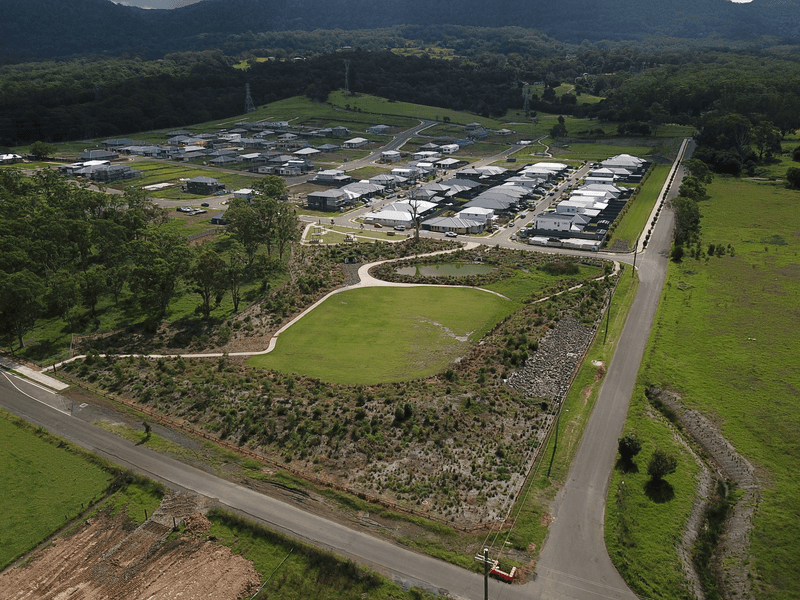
x,y
446,270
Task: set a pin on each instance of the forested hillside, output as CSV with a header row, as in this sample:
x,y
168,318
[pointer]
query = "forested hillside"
x,y
38,29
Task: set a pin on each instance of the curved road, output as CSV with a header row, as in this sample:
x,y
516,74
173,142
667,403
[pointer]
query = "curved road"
x,y
574,563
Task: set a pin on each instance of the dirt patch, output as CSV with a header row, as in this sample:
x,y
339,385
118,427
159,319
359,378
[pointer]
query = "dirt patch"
x,y
733,555
104,559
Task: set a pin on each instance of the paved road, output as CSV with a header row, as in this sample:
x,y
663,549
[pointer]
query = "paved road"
x,y
574,563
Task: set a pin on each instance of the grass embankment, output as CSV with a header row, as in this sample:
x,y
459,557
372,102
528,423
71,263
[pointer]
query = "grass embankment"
x,y
725,340
298,570
412,332
45,484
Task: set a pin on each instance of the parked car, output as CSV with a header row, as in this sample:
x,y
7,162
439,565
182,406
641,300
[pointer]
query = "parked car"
x,y
399,227
378,225
451,234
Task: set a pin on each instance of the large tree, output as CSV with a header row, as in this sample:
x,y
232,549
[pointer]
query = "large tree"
x,y
21,303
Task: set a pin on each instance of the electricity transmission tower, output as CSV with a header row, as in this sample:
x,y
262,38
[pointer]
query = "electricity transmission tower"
x,y
346,77
248,101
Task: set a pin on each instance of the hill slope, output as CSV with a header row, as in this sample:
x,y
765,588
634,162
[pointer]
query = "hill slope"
x,y
49,28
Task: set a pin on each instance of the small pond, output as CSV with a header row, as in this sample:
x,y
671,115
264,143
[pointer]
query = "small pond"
x,y
446,270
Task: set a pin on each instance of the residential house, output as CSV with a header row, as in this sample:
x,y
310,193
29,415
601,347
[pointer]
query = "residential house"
x,y
455,224
328,200
449,148
357,142
390,156
204,186
378,129
331,177
98,155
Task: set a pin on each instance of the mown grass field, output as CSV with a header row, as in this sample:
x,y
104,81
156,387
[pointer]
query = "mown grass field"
x,y
44,486
725,339
411,332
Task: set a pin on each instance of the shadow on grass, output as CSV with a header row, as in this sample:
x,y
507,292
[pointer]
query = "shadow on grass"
x,y
626,466
659,491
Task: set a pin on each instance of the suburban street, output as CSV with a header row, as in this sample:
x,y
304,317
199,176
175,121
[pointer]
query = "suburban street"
x,y
573,564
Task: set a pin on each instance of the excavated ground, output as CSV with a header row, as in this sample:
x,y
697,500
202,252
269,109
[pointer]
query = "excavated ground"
x,y
103,560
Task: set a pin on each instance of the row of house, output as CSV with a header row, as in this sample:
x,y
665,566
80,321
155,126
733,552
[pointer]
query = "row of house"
x,y
99,170
584,218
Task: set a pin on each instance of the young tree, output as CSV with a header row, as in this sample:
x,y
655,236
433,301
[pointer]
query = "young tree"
x,y
286,227
661,464
234,273
629,446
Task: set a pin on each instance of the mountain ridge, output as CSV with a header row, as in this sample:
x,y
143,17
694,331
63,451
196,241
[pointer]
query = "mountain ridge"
x,y
40,29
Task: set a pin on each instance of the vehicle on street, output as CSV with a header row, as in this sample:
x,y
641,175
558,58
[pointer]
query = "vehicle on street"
x,y
205,204
451,234
399,227
378,225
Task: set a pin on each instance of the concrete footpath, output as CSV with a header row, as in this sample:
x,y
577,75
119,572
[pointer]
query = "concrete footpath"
x,y
32,374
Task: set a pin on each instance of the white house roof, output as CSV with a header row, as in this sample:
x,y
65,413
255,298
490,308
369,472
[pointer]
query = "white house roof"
x,y
357,140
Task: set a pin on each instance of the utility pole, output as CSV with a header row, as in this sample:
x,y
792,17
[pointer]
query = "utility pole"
x,y
485,574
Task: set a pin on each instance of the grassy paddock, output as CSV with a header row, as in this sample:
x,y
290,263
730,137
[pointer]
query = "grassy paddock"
x,y
412,333
44,485
725,339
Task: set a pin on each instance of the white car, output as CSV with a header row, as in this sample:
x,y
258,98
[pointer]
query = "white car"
x,y
451,234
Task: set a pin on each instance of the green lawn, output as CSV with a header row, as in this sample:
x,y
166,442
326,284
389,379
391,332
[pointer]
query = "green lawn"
x,y
379,334
43,485
725,338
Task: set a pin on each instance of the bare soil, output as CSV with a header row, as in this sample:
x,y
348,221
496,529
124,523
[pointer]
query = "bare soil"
x,y
103,559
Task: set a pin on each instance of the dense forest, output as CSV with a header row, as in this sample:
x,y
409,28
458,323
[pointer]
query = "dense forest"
x,y
42,29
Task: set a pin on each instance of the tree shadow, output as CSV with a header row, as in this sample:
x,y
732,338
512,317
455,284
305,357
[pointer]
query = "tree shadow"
x,y
659,491
626,466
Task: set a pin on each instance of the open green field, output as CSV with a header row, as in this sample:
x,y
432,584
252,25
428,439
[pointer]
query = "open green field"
x,y
413,332
43,486
725,339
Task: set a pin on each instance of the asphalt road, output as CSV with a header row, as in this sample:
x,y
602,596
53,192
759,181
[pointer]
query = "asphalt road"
x,y
574,563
